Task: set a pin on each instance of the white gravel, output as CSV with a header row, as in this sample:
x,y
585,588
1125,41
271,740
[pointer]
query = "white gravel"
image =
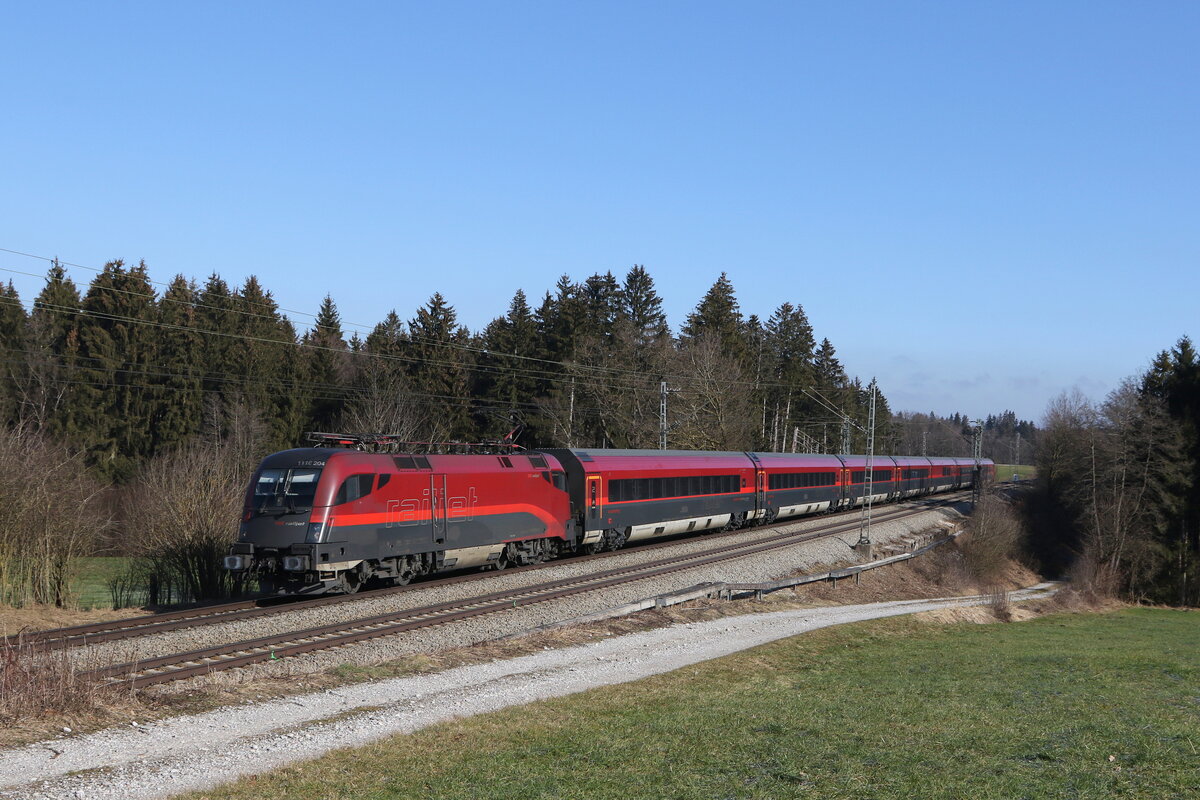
x,y
759,567
197,752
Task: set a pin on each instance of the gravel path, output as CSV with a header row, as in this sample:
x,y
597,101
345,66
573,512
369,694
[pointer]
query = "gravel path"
x,y
205,750
759,567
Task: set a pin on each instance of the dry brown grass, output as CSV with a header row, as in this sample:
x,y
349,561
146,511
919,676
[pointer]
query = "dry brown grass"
x,y
40,617
47,688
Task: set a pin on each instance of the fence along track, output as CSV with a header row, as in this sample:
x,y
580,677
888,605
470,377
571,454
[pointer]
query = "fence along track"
x,y
164,622
198,662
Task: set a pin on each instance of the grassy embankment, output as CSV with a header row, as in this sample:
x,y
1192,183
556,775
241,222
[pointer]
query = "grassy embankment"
x,y
1064,706
1025,472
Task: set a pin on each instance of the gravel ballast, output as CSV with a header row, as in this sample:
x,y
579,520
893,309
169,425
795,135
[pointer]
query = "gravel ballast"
x,y
205,750
758,567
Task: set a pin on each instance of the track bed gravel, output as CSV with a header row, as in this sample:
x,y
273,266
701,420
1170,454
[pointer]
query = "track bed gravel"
x,y
201,751
758,567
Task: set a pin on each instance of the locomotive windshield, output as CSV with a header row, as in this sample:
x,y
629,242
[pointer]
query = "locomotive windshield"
x,y
285,491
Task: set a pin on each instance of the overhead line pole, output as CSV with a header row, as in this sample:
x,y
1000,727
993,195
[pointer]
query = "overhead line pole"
x,y
864,529
663,391
977,454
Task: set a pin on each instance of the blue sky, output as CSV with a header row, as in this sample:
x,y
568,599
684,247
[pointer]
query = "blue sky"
x,y
982,204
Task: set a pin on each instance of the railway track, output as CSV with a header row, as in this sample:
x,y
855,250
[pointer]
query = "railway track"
x,y
270,648
167,621
164,622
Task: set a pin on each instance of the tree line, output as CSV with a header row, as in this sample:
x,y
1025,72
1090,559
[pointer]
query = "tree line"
x,y
1118,501
126,373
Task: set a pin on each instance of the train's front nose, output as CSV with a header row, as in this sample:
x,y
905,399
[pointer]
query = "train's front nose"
x,y
276,521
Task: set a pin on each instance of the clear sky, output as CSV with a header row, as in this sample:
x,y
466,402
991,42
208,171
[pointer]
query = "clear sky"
x,y
980,203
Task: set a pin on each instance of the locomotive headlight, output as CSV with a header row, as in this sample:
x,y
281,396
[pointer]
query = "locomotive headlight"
x,y
295,563
234,562
315,529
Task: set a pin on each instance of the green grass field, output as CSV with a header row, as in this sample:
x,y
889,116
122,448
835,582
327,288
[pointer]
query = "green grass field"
x,y
91,580
1004,472
1080,706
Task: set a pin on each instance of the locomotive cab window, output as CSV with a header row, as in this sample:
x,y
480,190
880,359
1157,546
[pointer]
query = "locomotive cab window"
x,y
285,490
353,488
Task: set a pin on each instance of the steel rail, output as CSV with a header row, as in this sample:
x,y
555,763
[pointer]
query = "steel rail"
x,y
268,648
167,621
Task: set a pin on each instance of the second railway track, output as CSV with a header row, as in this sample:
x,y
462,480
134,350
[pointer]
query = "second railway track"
x,y
177,666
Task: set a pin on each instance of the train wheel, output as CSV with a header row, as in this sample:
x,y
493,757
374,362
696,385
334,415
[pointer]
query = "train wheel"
x,y
614,539
501,562
351,581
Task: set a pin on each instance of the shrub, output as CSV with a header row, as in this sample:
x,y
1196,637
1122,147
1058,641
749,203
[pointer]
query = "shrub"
x,y
53,515
994,537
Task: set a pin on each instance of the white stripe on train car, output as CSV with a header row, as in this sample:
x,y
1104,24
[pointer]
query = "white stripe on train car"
x,y
678,526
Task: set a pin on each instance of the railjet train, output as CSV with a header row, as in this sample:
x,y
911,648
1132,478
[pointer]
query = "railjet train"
x,y
333,519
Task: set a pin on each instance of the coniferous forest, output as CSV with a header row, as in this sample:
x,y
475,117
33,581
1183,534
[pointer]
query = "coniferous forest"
x,y
154,401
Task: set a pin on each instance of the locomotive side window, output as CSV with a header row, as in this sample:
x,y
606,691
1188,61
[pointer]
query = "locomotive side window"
x,y
353,488
383,480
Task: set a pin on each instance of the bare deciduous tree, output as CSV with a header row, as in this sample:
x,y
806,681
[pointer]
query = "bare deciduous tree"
x,y
53,515
1117,468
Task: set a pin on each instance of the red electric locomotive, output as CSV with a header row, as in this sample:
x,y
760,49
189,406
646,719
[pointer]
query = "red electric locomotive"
x,y
330,520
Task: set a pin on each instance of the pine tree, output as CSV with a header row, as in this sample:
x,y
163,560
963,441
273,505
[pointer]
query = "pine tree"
x,y
510,341
641,305
117,342
269,370
440,366
388,337
13,362
221,356
829,371
788,341
328,365
48,394
602,304
178,354
719,315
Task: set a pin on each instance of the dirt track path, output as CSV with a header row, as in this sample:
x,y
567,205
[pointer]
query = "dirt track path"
x,y
201,751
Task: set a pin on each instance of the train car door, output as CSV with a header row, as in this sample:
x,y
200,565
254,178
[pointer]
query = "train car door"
x,y
593,503
760,485
437,507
